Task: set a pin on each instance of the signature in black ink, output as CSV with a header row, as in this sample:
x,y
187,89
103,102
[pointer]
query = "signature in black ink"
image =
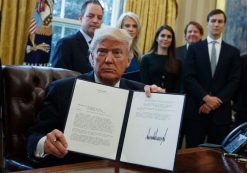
x,y
155,136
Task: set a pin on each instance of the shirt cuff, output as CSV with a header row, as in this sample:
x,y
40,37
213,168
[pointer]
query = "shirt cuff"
x,y
39,152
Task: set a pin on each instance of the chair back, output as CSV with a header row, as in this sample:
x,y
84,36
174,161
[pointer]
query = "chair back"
x,y
24,89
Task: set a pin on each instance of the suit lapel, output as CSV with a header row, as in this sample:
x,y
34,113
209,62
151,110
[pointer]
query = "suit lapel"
x,y
88,76
81,40
220,60
123,84
205,58
184,49
184,52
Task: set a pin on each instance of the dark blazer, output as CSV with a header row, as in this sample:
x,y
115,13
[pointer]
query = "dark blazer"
x,y
199,81
241,95
181,52
72,53
1,87
53,115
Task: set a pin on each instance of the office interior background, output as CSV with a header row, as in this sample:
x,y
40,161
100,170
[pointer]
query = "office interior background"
x,y
18,25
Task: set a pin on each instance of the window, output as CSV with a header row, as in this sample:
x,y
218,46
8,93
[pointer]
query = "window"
x,y
65,20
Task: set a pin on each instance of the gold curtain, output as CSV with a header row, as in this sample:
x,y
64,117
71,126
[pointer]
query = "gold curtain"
x,y
152,14
221,4
16,19
196,10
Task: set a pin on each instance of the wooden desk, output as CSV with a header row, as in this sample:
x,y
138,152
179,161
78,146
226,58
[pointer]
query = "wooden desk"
x,y
196,160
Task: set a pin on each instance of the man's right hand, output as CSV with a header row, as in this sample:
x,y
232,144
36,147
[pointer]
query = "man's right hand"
x,y
153,89
212,101
56,144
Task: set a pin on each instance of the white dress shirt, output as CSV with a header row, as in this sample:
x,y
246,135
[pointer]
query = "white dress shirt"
x,y
87,37
217,46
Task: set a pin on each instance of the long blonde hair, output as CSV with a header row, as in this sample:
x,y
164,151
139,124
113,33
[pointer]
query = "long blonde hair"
x,y
135,42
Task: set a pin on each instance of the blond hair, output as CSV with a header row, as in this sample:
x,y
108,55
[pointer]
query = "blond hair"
x,y
135,43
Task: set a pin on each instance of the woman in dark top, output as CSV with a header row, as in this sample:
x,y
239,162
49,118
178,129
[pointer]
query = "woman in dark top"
x,y
160,65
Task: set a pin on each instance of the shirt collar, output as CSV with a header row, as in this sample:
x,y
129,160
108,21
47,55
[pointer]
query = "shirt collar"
x,y
97,80
86,36
187,45
210,40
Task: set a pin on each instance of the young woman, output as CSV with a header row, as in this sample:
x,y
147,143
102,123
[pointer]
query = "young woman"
x,y
130,22
160,65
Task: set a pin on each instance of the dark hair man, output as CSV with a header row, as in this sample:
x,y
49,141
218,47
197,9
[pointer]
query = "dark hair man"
x,y
72,52
212,74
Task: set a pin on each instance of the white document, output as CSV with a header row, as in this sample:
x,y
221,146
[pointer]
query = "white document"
x,y
152,131
95,119
95,123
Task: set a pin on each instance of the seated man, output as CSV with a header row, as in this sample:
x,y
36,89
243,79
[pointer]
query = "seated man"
x,y
110,55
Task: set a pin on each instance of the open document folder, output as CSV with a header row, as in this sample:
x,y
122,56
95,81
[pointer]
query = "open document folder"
x,y
124,125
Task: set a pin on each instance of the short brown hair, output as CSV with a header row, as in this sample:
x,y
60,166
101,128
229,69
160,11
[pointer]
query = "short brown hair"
x,y
214,12
84,5
197,25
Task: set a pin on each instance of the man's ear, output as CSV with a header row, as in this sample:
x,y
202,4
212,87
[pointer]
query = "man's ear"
x,y
129,61
80,18
185,38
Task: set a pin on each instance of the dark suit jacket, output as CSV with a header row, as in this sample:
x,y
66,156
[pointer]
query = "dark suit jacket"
x,y
72,53
241,95
199,81
1,84
53,115
181,52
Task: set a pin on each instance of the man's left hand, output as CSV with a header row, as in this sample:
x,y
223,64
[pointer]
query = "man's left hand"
x,y
153,89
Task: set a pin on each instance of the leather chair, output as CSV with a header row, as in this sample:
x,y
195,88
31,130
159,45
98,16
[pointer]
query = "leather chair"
x,y
24,88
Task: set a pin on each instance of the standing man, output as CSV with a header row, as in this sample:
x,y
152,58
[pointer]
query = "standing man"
x,y
72,52
212,74
193,33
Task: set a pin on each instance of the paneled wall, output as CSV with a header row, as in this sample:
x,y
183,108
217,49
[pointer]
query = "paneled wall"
x,y
188,10
236,26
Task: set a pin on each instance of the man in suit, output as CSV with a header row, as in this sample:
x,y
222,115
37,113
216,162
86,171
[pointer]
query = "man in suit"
x,y
110,53
72,52
241,97
193,33
212,74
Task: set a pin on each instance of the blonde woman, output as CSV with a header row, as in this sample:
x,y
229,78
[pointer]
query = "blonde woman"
x,y
130,22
